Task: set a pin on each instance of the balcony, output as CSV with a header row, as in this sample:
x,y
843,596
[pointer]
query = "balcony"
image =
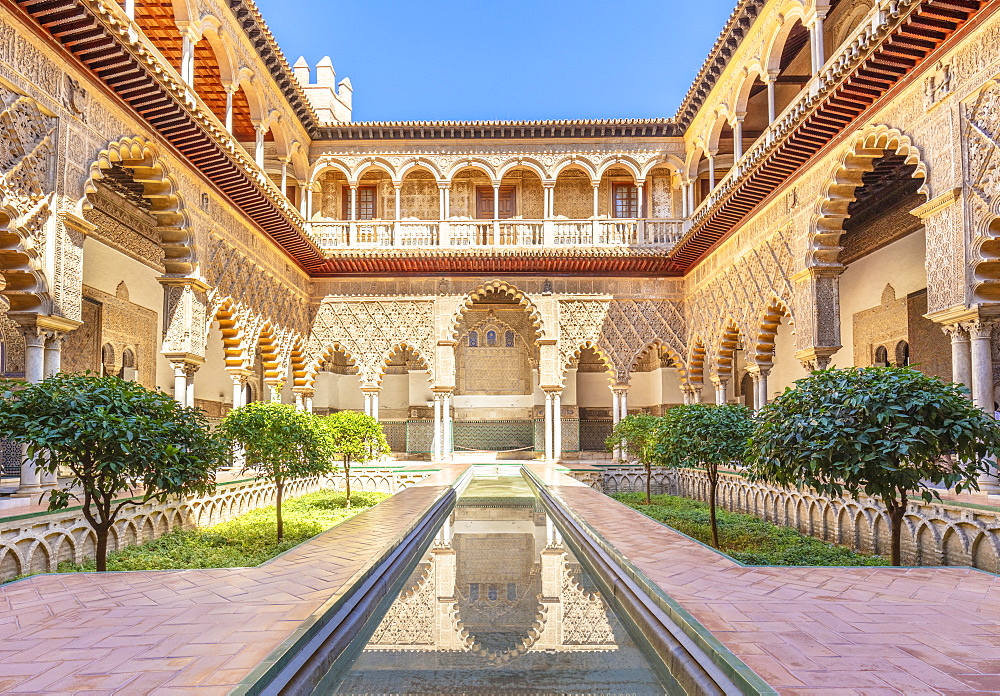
x,y
617,233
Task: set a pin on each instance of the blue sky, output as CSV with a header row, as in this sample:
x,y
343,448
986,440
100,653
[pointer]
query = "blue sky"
x,y
520,59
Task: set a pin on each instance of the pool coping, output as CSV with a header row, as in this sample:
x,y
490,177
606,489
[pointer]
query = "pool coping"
x,y
743,677
320,622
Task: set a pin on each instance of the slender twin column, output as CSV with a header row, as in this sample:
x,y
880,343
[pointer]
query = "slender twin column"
x,y
442,444
720,382
972,365
371,401
42,358
759,373
553,424
619,409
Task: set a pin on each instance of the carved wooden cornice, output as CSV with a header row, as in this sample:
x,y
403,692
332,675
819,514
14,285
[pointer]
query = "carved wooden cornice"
x,y
515,261
878,60
101,41
508,130
732,35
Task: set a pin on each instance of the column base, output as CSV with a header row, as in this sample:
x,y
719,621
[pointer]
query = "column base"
x,y
27,491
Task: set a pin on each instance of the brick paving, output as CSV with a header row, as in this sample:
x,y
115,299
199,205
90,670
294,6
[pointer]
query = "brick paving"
x,y
186,631
827,631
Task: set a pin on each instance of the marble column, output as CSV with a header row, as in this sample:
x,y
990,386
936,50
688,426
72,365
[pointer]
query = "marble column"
x,y
557,452
737,139
436,447
720,391
981,352
53,363
548,426
180,382
770,82
34,372
961,358
448,427
189,373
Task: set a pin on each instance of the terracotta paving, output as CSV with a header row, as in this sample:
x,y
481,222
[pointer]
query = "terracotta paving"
x,y
833,631
186,631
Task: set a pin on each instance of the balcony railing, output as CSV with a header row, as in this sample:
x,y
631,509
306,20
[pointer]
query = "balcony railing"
x,y
601,232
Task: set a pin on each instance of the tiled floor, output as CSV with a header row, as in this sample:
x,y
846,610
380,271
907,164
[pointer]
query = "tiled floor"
x,y
818,631
189,631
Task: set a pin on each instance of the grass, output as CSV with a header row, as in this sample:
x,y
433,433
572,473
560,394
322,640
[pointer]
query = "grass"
x,y
746,538
247,540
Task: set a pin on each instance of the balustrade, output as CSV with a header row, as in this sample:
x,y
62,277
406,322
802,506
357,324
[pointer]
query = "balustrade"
x,y
488,233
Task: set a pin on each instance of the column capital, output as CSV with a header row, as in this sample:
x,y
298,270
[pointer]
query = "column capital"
x,y
184,359
980,328
816,357
956,332
759,371
367,389
551,390
719,379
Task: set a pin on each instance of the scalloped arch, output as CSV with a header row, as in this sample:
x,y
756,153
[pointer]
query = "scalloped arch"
x,y
497,286
312,365
858,157
413,349
143,159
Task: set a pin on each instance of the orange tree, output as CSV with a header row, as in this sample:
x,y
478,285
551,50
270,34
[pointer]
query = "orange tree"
x,y
114,437
637,436
699,435
279,443
886,432
355,437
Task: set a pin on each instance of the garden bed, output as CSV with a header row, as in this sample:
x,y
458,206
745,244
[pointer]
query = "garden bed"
x,y
247,540
746,538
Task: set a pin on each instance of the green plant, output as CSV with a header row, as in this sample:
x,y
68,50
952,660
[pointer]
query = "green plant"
x,y
705,436
746,538
356,438
882,431
247,540
114,437
279,443
637,435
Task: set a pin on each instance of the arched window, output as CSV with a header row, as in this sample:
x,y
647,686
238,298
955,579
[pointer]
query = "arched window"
x,y
902,354
881,357
491,338
128,358
508,339
473,339
108,359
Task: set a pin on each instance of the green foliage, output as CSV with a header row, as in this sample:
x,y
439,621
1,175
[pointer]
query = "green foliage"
x,y
881,431
704,436
355,437
279,443
247,540
636,434
746,538
114,436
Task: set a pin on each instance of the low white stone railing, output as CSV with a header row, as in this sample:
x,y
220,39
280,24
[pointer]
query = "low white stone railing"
x,y
39,542
408,234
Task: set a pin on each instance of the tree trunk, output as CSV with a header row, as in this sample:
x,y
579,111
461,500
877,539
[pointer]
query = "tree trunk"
x,y
280,488
649,483
101,552
713,483
896,514
347,481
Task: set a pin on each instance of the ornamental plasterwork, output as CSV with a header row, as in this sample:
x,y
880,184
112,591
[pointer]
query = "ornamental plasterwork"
x,y
393,160
738,296
370,331
982,131
27,149
234,276
621,329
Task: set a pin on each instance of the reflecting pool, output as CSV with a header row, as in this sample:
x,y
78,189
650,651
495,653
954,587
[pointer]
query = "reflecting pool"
x,y
499,604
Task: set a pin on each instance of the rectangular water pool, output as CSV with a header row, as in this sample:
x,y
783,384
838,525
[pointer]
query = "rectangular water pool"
x,y
499,604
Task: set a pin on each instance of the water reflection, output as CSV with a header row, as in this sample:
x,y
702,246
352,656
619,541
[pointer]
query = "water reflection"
x,y
499,604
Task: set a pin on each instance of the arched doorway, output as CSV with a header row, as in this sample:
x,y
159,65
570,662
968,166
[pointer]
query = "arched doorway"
x,y
496,401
